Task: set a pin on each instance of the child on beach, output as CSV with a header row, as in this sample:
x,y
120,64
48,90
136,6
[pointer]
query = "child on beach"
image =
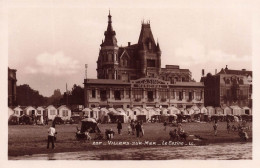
x,y
129,129
215,127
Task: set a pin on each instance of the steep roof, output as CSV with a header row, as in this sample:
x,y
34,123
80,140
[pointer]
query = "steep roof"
x,y
110,34
235,72
146,36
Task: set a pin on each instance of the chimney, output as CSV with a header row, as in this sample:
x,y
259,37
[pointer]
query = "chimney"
x,y
129,43
203,72
243,69
215,71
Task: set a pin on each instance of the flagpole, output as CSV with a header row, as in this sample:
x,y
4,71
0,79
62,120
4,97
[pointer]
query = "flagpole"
x,y
67,94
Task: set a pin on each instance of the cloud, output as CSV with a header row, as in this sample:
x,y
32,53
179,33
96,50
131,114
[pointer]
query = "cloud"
x,y
53,64
194,52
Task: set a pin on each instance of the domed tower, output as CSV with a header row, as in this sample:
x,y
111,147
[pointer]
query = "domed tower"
x,y
107,64
149,53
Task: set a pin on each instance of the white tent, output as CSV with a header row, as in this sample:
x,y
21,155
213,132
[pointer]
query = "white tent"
x,y
40,112
219,111
158,111
18,111
190,111
112,110
203,110
196,109
29,110
165,111
87,111
236,110
64,112
151,112
52,112
227,111
174,110
129,113
211,110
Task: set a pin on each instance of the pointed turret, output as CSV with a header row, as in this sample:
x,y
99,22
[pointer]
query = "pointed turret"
x,y
146,39
110,34
158,47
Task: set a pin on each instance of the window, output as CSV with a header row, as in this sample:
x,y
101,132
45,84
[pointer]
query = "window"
x,y
93,93
180,95
150,63
190,96
64,113
117,95
103,95
52,112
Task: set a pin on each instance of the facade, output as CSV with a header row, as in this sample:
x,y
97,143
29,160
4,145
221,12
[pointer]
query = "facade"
x,y
228,87
132,76
64,112
12,87
51,112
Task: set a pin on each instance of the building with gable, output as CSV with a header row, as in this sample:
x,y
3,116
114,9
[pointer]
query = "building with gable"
x,y
132,76
228,87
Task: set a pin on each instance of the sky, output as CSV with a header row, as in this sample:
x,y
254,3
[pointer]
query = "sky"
x,y
50,43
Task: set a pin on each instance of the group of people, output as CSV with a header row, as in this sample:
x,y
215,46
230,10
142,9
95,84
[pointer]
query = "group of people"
x,y
133,128
178,134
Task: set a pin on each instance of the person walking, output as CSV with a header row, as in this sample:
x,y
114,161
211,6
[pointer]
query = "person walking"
x,y
119,127
165,125
215,127
142,129
138,128
51,135
228,126
133,127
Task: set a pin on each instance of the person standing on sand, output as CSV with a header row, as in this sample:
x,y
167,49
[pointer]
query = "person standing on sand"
x,y
165,125
228,126
119,127
51,134
142,129
138,128
215,127
133,127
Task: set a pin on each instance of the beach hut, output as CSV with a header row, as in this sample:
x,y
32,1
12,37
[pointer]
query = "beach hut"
x,y
86,111
40,114
136,110
210,110
203,110
30,111
18,111
236,110
227,110
129,113
165,111
64,112
151,112
196,109
246,110
174,110
190,111
159,111
51,112
219,111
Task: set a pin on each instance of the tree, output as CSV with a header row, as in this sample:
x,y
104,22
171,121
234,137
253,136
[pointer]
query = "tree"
x,y
27,96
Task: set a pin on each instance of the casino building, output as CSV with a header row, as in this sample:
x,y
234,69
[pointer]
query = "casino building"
x,y
132,76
